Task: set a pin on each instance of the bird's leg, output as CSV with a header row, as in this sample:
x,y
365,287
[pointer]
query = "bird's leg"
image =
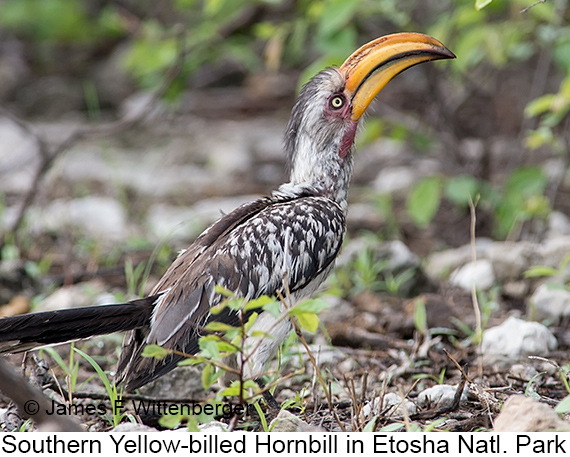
x,y
267,396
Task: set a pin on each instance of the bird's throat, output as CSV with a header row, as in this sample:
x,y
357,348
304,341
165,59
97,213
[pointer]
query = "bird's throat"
x,y
348,139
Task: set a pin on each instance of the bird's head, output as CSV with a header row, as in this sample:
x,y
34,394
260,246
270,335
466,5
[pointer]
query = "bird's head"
x,y
324,120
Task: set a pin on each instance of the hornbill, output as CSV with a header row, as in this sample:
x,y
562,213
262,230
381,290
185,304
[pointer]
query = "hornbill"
x,y
286,242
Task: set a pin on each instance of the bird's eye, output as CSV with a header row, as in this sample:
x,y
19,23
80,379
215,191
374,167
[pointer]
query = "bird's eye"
x,y
337,102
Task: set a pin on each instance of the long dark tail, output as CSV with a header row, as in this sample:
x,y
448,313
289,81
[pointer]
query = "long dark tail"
x,y
28,331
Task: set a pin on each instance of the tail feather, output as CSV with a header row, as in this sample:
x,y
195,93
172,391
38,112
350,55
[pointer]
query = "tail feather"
x,y
25,332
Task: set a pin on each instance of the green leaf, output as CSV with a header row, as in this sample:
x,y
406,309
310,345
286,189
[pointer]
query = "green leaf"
x,y
423,201
460,189
312,305
308,321
527,181
564,406
191,361
216,326
262,417
223,291
394,427
234,389
155,351
209,376
209,347
420,315
235,303
540,137
258,302
250,321
99,370
480,4
337,15
540,271
561,54
539,105
217,309
273,308
192,424
369,427
171,421
52,352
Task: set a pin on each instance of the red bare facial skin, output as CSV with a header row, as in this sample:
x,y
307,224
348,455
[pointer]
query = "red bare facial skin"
x,y
343,113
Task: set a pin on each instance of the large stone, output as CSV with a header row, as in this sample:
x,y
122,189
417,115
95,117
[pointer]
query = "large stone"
x,y
181,383
479,274
440,396
394,179
76,296
18,158
524,414
558,224
441,264
101,218
514,340
550,302
392,405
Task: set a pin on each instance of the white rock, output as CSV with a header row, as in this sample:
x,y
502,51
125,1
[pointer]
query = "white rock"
x,y
550,302
213,427
473,148
398,255
287,422
391,399
101,218
229,155
384,149
441,264
558,224
73,296
440,396
87,163
554,168
524,414
522,371
18,158
515,339
510,260
178,383
394,179
479,273
135,104
128,427
553,251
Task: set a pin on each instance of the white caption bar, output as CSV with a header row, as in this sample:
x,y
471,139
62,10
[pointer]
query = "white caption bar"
x,y
271,444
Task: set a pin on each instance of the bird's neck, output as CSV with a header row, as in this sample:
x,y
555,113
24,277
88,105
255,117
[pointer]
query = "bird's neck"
x,y
329,177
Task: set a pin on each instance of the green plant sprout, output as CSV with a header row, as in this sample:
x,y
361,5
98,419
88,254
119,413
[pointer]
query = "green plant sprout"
x,y
111,389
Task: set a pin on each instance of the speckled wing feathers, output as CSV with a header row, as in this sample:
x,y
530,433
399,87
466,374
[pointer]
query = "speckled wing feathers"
x,y
249,251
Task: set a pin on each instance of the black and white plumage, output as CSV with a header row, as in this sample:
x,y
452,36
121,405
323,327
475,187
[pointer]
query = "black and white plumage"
x,y
231,255
285,242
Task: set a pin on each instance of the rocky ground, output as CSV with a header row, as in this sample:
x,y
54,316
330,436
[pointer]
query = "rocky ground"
x,y
108,201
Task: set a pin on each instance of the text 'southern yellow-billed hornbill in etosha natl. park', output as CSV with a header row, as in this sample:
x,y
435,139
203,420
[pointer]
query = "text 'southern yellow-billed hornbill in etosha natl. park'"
x,y
286,242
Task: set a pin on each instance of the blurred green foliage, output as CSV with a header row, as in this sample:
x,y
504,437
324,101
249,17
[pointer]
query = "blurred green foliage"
x,y
58,21
521,198
268,35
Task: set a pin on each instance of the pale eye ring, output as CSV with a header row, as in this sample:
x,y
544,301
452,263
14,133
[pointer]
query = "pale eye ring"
x,y
336,102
